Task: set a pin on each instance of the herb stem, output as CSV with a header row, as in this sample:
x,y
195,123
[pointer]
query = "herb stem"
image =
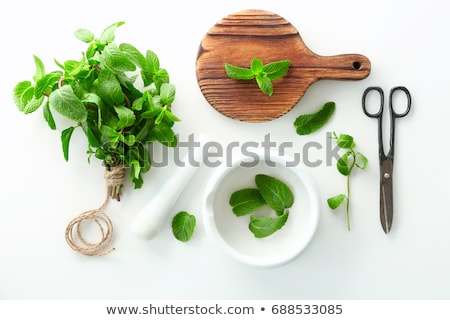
x,y
60,82
348,189
348,203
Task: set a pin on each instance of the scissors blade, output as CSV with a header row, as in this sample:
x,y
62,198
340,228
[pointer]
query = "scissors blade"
x,y
386,198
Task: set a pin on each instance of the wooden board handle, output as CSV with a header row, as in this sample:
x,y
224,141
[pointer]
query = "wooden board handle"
x,y
339,67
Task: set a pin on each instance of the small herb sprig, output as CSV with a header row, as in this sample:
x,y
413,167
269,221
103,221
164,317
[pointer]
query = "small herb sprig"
x,y
98,93
264,74
345,165
270,191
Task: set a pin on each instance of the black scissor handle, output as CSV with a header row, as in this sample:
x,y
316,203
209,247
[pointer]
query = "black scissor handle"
x,y
380,111
408,104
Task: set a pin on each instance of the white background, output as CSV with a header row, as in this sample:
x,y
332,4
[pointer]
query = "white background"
x,y
407,43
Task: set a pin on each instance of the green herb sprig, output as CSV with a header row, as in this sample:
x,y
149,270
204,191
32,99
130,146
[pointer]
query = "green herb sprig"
x,y
345,165
98,92
264,74
270,191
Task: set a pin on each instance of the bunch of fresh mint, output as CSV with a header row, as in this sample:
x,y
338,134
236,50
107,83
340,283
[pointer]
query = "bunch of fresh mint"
x,y
98,93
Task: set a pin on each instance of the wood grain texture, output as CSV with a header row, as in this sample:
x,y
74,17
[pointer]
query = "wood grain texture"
x,y
240,37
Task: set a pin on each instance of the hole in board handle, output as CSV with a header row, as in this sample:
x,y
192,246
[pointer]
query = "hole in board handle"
x,y
356,65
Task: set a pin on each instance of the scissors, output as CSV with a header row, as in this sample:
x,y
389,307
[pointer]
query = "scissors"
x,y
386,161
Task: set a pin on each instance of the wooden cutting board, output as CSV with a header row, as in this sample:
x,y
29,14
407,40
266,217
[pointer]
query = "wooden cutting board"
x,y
242,36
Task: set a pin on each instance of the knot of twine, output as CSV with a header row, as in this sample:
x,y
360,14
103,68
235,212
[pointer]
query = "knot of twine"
x,y
114,179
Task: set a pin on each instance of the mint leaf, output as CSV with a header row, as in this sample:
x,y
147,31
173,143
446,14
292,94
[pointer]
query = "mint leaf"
x,y
25,99
152,61
110,136
246,201
265,84
164,134
67,104
133,54
116,60
345,141
167,93
160,77
108,35
336,201
108,88
361,161
40,70
256,66
23,93
65,140
309,123
48,116
46,83
84,35
265,226
276,70
238,73
343,165
183,226
126,116
274,192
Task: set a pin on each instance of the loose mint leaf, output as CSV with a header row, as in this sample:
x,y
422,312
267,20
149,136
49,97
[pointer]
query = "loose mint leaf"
x,y
265,226
84,35
246,201
126,116
265,84
67,104
309,123
183,226
48,116
108,88
108,35
65,139
345,141
256,66
167,93
238,73
275,193
276,70
336,201
40,70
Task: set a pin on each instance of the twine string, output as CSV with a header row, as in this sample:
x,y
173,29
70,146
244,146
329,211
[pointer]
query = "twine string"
x,y
114,179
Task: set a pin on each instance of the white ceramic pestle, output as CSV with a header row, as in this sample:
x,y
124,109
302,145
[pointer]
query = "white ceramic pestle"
x,y
149,221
